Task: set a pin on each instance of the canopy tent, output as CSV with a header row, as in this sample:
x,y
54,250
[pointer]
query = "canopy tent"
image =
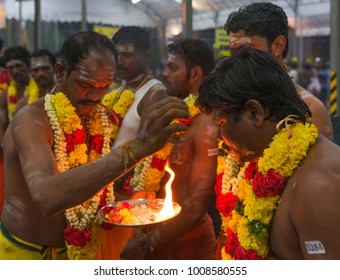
x,y
314,15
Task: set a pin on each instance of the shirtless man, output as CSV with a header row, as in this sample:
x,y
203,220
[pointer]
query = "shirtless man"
x,y
292,166
264,26
15,60
16,63
41,66
190,235
48,171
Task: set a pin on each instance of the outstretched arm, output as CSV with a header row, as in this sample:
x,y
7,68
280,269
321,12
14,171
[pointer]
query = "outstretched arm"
x,y
53,192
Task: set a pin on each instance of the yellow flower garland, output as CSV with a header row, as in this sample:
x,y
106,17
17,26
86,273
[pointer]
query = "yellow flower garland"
x,y
148,178
283,155
32,91
64,120
118,102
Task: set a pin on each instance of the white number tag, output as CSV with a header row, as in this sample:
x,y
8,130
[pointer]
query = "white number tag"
x,y
315,247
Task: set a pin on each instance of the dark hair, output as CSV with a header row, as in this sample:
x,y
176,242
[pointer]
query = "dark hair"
x,y
264,19
132,35
17,52
77,47
43,52
251,74
195,53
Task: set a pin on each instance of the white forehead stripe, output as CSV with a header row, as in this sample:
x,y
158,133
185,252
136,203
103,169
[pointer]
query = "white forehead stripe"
x,y
314,247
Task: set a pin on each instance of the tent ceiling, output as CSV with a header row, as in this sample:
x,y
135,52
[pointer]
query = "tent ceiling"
x,y
314,15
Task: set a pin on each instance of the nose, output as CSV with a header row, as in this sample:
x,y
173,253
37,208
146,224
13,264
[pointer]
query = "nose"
x,y
95,94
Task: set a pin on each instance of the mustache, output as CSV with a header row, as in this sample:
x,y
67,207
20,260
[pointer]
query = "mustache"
x,y
41,78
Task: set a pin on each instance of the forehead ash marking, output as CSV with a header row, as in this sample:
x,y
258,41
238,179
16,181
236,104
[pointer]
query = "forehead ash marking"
x,y
39,62
238,39
14,62
91,74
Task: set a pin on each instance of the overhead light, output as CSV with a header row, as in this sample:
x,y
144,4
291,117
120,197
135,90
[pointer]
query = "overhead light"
x,y
135,1
178,1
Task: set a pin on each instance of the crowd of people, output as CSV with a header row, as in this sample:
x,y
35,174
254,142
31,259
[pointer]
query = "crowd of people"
x,y
256,169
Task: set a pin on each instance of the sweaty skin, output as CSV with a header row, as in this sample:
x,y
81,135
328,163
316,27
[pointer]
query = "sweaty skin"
x,y
36,193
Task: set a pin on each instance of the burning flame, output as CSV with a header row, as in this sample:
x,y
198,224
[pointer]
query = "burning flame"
x,y
168,209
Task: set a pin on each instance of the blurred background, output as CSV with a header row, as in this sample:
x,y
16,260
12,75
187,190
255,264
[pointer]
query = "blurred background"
x,y
46,23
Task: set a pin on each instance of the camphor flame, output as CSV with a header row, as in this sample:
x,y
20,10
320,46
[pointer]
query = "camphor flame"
x,y
168,210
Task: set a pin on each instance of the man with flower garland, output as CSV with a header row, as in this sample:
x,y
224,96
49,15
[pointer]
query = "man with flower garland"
x,y
41,66
59,166
193,157
15,60
129,103
284,201
264,26
17,65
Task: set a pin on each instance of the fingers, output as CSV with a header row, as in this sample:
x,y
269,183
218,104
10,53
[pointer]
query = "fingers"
x,y
162,113
157,125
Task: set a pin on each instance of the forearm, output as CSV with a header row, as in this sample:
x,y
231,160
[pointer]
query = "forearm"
x,y
64,190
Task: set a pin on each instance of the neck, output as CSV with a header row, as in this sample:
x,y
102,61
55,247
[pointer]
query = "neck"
x,y
138,81
45,89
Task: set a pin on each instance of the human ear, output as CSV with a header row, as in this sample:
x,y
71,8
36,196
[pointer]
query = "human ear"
x,y
59,71
255,111
278,46
196,73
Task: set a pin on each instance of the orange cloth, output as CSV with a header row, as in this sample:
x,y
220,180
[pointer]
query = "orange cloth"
x,y
198,244
114,240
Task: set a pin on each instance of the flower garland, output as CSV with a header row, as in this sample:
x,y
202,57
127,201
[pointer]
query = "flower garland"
x,y
82,234
118,103
247,201
32,91
147,174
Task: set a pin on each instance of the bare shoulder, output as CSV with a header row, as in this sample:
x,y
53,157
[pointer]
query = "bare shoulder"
x,y
314,211
31,121
156,93
320,115
204,130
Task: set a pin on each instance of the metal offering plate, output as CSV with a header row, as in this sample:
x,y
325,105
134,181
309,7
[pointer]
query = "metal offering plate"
x,y
139,212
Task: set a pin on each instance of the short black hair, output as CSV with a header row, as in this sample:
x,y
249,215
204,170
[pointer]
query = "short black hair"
x,y
195,52
16,52
264,19
77,47
135,35
43,52
251,74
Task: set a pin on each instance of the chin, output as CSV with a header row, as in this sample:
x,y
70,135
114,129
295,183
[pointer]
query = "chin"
x,y
84,110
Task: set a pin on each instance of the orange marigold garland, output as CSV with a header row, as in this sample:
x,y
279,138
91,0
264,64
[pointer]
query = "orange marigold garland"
x,y
82,234
247,201
118,103
32,91
148,174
